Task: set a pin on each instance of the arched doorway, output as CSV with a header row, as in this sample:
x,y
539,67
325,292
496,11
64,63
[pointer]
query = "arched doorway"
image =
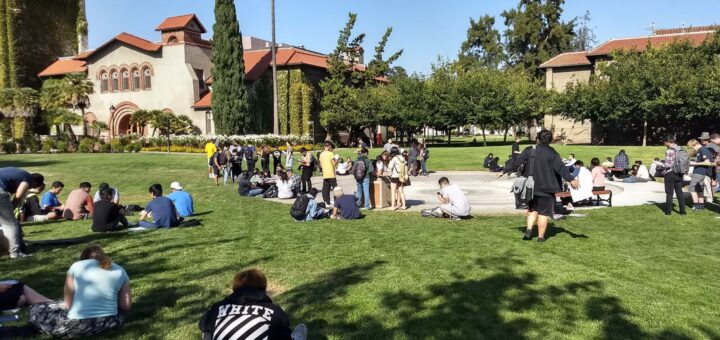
x,y
119,123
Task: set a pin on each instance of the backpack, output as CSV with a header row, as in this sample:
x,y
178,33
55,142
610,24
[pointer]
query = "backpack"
x,y
682,162
402,170
299,207
360,170
271,192
524,187
427,154
249,154
222,158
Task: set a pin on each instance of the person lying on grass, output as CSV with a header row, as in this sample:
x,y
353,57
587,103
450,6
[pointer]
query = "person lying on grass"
x,y
161,209
248,313
97,291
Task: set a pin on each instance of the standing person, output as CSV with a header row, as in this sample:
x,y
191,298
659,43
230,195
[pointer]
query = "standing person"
x,y
423,155
715,145
235,163
276,155
224,162
161,209
710,178
265,158
398,168
345,207
210,150
516,147
307,165
673,177
362,171
79,204
182,200
214,160
103,186
328,161
14,184
289,159
389,145
701,169
49,200
97,291
454,202
598,174
107,216
250,157
546,167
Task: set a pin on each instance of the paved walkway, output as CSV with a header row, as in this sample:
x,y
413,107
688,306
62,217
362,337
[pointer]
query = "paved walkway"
x,y
488,195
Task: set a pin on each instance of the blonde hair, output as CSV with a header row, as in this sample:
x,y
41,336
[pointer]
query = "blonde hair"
x,y
691,143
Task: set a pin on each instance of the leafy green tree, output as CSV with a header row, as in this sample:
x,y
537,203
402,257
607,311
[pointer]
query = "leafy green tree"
x,y
230,98
483,47
535,33
379,67
403,105
442,99
18,105
140,119
76,91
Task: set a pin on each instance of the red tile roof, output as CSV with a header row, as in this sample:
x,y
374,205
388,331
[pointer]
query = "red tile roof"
x,y
567,59
180,21
205,101
640,43
63,66
125,38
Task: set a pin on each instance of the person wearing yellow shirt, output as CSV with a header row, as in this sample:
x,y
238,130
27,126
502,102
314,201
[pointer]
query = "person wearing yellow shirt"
x,y
328,161
210,150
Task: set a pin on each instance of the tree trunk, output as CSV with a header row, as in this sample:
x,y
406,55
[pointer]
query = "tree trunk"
x,y
448,133
72,140
482,127
645,132
57,129
507,128
84,121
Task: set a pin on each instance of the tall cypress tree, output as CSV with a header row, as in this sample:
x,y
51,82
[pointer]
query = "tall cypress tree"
x,y
230,98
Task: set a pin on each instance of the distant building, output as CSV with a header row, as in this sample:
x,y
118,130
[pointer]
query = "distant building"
x,y
579,66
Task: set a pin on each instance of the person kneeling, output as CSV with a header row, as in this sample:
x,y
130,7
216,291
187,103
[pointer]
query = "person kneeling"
x,y
454,202
346,207
107,216
161,209
248,313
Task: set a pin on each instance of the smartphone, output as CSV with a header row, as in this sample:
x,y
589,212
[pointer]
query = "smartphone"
x,y
439,193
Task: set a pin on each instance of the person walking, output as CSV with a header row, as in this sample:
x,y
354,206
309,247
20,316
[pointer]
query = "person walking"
x,y
307,166
546,167
14,184
362,171
701,169
210,150
328,161
673,177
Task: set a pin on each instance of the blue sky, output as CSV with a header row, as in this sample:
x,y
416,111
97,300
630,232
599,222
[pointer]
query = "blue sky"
x,y
425,29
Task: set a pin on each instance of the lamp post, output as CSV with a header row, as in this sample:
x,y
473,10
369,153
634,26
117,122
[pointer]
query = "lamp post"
x,y
276,120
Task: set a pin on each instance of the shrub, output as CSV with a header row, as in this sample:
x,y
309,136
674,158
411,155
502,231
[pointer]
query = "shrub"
x,y
129,148
9,147
86,145
47,144
116,145
137,147
31,143
125,140
105,148
61,145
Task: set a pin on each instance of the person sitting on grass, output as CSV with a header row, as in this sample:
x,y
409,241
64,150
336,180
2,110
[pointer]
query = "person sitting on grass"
x,y
30,210
622,161
15,294
103,186
246,187
639,174
654,171
97,291
182,200
161,209
107,216
79,204
494,165
248,313
313,210
455,204
608,163
294,182
49,201
487,160
345,207
284,185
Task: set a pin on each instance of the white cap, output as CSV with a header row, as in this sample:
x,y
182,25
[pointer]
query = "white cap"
x,y
175,185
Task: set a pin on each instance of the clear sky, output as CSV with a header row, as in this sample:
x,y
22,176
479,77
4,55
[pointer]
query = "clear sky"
x,y
425,29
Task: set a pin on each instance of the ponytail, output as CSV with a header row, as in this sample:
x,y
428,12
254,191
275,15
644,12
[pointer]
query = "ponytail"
x,y
98,254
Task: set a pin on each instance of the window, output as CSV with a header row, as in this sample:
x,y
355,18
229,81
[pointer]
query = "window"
x,y
115,84
148,81
136,80
104,82
172,40
125,80
201,79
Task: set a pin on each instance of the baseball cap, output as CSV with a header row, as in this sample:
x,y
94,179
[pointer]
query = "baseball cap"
x,y
175,185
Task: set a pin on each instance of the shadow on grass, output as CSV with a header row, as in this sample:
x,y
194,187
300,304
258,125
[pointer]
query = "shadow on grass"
x,y
552,231
25,163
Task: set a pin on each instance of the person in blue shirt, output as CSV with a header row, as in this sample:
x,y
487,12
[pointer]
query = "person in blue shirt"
x,y
49,201
345,206
97,291
161,209
182,200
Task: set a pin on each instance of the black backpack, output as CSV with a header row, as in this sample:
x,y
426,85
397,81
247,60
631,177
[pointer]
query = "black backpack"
x,y
249,154
271,192
299,207
222,158
360,170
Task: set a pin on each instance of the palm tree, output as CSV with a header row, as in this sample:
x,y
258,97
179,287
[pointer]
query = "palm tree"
x,y
99,127
25,104
183,125
6,107
54,104
76,91
159,120
139,120
68,118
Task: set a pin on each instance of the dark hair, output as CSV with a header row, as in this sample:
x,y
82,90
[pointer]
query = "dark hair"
x,y
609,159
283,176
37,180
573,155
714,135
313,192
103,186
250,278
106,194
544,137
85,185
394,152
622,151
638,162
329,144
579,163
57,184
98,254
363,151
496,159
594,162
443,180
244,175
303,149
669,139
155,190
490,155
657,159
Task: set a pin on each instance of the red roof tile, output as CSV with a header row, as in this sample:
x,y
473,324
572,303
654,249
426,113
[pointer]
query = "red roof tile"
x,y
567,59
63,66
640,43
205,101
180,21
125,38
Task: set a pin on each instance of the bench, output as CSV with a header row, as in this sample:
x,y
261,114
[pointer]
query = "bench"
x,y
597,195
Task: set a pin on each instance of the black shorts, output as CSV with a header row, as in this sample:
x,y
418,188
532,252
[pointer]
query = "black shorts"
x,y
216,170
394,180
544,206
9,298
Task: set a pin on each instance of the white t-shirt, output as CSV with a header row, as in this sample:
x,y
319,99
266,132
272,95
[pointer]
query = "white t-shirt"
x,y
458,200
116,196
395,165
643,172
284,188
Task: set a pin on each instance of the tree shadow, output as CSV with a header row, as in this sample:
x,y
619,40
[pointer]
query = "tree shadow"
x,y
553,231
202,213
26,163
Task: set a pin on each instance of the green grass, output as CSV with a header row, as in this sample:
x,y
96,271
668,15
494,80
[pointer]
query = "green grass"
x,y
619,273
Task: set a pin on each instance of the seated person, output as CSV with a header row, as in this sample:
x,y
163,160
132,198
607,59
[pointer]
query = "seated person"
x,y
314,211
161,209
248,305
246,187
30,210
639,174
570,161
494,166
295,181
653,172
284,185
107,216
342,168
608,163
79,204
15,294
182,200
454,202
598,175
103,186
96,292
50,201
345,207
487,160
348,164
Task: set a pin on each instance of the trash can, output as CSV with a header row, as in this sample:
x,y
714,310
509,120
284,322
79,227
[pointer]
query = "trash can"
x,y
380,193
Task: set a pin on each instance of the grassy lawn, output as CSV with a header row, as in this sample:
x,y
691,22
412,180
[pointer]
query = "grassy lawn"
x,y
619,273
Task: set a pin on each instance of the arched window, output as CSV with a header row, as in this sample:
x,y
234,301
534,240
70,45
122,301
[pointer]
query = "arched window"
x,y
104,82
148,80
172,40
125,80
115,84
136,80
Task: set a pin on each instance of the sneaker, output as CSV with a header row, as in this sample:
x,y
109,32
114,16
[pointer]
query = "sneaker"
x,y
455,218
20,255
701,207
541,239
299,333
683,213
667,213
528,235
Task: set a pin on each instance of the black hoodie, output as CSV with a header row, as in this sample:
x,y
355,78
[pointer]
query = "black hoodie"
x,y
248,312
547,170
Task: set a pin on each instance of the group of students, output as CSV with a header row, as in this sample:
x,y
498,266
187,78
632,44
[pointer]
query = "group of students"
x,y
229,157
97,297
